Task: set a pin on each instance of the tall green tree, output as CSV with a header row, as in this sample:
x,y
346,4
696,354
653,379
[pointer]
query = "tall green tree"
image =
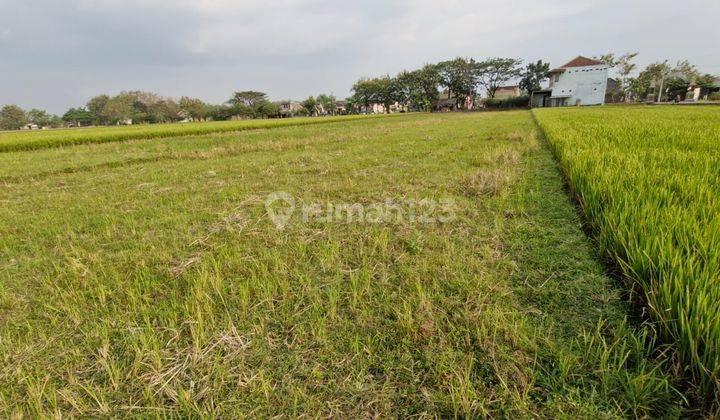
x,y
119,108
409,89
164,110
461,77
269,110
12,117
310,105
144,106
249,103
686,71
380,90
328,103
676,88
78,117
647,85
351,104
387,91
194,108
429,79
623,66
496,72
56,121
705,80
39,117
365,92
96,106
221,112
419,88
248,98
533,76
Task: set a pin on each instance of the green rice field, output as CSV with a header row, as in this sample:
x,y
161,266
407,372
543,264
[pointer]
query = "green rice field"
x,y
648,181
424,265
30,140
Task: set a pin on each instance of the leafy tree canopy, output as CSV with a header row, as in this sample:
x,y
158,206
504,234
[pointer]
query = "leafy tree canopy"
x,y
248,98
40,117
12,117
79,116
496,72
533,76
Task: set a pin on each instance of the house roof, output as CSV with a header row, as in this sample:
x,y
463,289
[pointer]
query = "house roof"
x,y
581,61
578,61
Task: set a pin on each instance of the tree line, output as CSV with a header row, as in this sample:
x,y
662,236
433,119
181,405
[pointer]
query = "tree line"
x,y
461,79
147,108
138,107
659,81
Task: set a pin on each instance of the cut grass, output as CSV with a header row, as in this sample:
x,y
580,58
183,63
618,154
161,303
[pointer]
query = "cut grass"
x,y
144,279
648,182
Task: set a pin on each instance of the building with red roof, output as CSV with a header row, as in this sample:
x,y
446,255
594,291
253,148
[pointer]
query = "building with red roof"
x,y
580,81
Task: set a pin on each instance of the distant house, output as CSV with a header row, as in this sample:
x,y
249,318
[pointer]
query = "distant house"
x,y
380,108
289,108
507,92
30,126
372,109
581,81
699,93
341,107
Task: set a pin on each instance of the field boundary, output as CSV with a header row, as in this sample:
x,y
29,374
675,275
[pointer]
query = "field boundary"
x,y
612,269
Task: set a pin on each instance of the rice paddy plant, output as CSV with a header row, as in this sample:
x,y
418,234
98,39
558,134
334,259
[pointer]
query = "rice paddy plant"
x,y
648,182
32,140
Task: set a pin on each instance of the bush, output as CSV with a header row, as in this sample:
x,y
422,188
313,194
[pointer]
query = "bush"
x,y
715,96
517,102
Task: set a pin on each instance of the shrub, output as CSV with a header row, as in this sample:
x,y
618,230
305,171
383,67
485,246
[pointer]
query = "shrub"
x,y
516,102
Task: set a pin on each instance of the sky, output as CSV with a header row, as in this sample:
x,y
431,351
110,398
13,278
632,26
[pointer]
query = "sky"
x,y
56,54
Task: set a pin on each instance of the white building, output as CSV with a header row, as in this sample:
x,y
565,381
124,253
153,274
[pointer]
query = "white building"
x,y
582,81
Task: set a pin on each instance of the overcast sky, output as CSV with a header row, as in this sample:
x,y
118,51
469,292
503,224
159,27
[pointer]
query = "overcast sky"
x,y
58,53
